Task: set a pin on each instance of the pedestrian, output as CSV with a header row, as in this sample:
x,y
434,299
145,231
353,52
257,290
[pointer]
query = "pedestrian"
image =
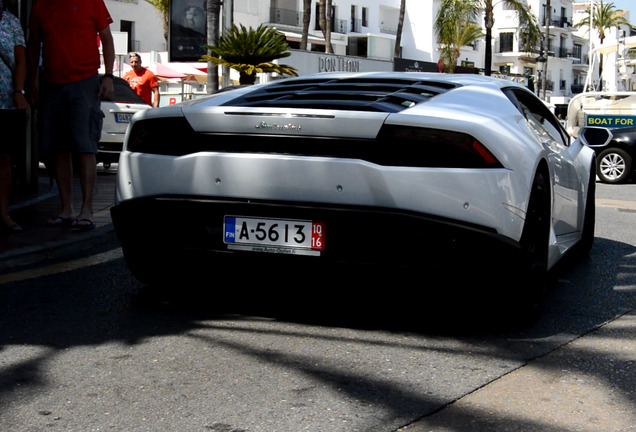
x,y
13,105
143,81
65,35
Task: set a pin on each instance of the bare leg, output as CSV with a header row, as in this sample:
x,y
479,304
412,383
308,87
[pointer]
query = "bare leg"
x,y
5,192
88,176
64,178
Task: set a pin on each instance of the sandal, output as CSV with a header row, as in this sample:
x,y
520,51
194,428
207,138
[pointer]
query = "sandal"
x,y
59,221
83,224
13,228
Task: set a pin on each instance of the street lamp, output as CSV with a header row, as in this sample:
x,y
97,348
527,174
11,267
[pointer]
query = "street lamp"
x,y
540,63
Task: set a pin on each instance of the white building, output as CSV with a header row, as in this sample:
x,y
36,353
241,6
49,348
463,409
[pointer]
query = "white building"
x,y
364,33
141,22
564,49
618,72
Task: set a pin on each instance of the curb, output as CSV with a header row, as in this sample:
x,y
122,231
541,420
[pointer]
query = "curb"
x,y
29,256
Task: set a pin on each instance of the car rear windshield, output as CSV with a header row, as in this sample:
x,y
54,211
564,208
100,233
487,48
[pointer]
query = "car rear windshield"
x,y
354,94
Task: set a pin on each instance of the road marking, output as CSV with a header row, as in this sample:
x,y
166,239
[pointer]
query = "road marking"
x,y
63,267
618,204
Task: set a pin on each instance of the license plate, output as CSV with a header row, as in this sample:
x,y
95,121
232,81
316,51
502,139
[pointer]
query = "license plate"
x,y
281,236
123,117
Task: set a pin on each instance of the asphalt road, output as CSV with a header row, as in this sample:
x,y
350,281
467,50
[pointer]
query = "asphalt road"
x,y
84,347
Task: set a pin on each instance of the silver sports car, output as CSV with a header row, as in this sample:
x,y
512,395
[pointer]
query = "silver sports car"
x,y
465,173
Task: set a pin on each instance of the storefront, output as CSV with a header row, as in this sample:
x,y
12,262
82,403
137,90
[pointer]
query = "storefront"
x,y
307,62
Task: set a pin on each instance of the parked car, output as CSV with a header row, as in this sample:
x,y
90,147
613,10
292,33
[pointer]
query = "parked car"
x,y
450,174
117,115
615,149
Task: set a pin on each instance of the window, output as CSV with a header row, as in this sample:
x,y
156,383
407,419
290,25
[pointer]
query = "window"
x,y
333,17
506,42
127,27
365,17
540,119
357,46
355,23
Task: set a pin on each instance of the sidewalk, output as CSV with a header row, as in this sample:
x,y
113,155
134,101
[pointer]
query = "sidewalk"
x,y
38,241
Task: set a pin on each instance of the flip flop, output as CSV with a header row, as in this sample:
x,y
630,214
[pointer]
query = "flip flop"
x,y
13,228
59,221
83,224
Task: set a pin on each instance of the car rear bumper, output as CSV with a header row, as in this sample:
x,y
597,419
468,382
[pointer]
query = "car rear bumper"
x,y
108,151
172,230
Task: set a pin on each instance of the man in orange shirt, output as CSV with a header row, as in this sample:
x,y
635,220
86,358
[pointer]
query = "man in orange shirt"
x,y
143,81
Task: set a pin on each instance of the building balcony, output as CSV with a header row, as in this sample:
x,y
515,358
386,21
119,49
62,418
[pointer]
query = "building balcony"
x,y
556,21
288,17
294,18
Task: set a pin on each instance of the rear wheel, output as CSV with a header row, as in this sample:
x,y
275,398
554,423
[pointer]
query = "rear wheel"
x,y
140,262
589,222
533,266
614,165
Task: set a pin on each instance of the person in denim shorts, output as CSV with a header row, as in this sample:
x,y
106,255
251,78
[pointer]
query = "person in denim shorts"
x,y
65,35
13,105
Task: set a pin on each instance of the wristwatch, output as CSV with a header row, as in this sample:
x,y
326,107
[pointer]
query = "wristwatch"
x,y
19,91
109,75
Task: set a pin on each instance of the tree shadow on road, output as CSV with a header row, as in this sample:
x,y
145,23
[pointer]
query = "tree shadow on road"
x,y
380,310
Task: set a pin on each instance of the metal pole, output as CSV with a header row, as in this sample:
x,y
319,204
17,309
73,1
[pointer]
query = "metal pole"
x,y
548,18
588,78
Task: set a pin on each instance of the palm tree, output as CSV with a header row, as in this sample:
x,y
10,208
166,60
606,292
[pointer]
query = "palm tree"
x,y
163,7
605,17
213,14
398,37
251,51
306,21
528,24
455,27
325,13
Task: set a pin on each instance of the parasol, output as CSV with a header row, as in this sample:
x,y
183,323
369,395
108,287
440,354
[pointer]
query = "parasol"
x,y
164,71
191,73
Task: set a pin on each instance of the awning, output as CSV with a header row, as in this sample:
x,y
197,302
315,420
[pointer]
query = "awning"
x,y
630,42
297,37
190,73
163,71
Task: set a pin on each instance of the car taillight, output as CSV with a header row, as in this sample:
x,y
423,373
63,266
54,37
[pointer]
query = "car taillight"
x,y
438,148
166,136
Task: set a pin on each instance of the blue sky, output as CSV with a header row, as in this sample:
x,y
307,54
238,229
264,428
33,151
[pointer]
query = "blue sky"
x,y
625,4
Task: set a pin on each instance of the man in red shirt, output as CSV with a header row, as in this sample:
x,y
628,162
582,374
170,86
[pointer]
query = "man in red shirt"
x,y
143,81
64,36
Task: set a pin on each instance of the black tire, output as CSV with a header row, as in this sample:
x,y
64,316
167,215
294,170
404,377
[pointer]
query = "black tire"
x,y
614,166
148,263
533,267
139,263
589,221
